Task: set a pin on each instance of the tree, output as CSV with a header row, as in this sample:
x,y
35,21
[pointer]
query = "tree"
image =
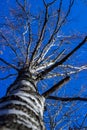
x,y
38,53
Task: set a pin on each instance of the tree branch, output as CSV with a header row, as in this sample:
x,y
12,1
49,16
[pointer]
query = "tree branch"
x,y
20,5
47,70
9,45
49,63
12,66
50,41
67,14
56,86
67,99
10,75
41,34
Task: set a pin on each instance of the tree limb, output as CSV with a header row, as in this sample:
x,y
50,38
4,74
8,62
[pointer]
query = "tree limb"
x,y
41,34
64,99
47,70
5,62
50,41
10,75
56,86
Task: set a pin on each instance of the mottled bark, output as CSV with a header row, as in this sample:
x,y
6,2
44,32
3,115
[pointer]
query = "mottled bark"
x,y
22,108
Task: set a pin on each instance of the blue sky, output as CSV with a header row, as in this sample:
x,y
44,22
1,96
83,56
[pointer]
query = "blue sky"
x,y
77,24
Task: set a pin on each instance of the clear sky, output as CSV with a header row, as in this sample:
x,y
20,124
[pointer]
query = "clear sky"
x,y
77,25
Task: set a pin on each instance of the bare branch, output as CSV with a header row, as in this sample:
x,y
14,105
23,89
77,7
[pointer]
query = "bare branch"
x,y
67,14
57,27
49,4
66,99
52,39
44,59
47,70
76,70
20,5
56,86
82,124
6,77
49,63
9,45
28,47
5,62
41,34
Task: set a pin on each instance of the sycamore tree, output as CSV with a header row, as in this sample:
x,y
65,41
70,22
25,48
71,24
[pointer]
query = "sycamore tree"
x,y
38,56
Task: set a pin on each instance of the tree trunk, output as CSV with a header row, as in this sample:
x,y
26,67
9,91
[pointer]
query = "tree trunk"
x,y
22,108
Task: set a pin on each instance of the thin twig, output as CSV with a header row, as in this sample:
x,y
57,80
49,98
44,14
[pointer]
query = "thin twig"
x,y
5,62
6,77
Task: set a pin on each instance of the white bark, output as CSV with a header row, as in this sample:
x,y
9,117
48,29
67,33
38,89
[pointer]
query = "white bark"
x,y
22,108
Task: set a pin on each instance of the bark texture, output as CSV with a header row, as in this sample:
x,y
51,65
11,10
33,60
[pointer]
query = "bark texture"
x,y
22,108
